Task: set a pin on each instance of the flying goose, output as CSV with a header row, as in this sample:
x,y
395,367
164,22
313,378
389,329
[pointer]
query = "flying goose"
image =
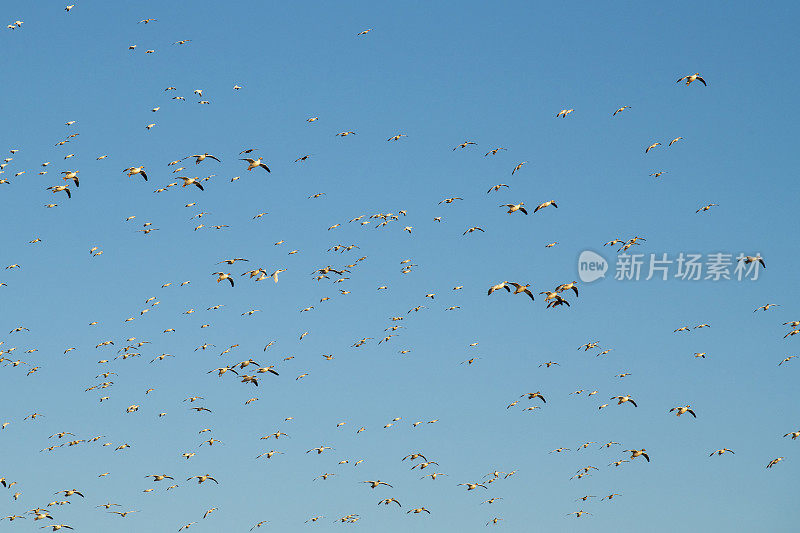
x,y
518,289
58,188
472,486
191,181
637,453
681,410
516,207
71,175
202,479
750,259
691,77
623,399
568,286
132,171
501,285
198,158
374,484
255,163
774,462
464,144
720,452
223,275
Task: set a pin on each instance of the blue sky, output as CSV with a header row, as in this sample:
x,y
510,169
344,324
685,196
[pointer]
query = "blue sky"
x,y
441,73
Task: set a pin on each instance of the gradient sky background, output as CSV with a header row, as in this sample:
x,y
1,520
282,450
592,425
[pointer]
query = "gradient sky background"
x,y
442,73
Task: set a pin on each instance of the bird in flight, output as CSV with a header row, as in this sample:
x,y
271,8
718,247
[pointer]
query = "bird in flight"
x,y
692,77
255,163
464,144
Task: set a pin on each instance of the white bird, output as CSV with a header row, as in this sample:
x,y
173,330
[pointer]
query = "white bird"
x,y
254,163
692,77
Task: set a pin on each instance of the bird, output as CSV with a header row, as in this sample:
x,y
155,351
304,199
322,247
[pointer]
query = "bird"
x,y
753,259
191,181
71,175
450,200
320,450
762,308
692,77
223,276
374,484
473,229
568,286
70,492
532,395
203,478
721,451
706,208
199,158
638,453
515,207
624,399
502,285
673,141
545,204
59,188
159,477
519,166
681,410
564,112
132,171
774,462
255,163
620,110
464,144
651,147
521,289
554,299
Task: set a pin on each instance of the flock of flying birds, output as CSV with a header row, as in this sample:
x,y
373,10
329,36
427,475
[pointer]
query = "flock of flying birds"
x,y
254,374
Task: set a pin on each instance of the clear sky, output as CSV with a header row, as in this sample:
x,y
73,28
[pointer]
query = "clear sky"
x,y
441,73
